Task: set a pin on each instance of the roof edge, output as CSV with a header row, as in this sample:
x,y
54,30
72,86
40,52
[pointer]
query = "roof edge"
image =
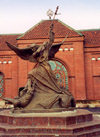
x,y
12,34
89,29
30,29
70,27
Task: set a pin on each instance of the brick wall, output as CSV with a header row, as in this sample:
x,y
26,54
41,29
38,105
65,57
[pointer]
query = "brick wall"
x,y
83,70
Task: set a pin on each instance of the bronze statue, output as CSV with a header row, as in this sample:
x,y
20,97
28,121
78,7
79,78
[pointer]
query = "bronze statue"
x,y
42,90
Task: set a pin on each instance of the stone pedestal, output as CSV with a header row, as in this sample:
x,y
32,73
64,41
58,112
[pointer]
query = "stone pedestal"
x,y
76,123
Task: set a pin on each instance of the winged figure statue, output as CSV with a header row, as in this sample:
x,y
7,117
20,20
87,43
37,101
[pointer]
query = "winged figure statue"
x,y
42,90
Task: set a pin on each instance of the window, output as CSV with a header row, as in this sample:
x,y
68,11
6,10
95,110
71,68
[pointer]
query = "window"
x,y
98,58
93,58
60,72
1,83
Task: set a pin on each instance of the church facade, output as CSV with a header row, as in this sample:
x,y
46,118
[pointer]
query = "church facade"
x,y
76,64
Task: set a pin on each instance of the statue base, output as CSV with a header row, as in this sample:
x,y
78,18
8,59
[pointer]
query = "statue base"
x,y
72,123
53,110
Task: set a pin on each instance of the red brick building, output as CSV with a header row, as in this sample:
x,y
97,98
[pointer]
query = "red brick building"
x,y
76,64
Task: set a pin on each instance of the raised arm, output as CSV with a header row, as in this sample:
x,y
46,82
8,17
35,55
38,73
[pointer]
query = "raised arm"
x,y
51,35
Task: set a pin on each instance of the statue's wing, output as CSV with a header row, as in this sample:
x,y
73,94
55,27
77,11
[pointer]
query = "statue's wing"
x,y
23,53
53,50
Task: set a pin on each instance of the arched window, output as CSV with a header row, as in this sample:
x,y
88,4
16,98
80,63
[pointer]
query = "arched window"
x,y
1,83
60,72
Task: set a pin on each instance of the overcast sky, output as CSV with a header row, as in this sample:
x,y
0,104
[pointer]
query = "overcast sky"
x,y
17,16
